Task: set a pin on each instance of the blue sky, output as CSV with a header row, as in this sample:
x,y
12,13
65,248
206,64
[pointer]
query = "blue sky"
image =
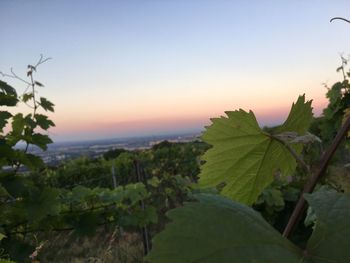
x,y
124,68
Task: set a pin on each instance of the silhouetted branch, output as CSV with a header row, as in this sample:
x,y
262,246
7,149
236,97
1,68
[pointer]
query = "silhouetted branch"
x,y
339,18
41,60
14,76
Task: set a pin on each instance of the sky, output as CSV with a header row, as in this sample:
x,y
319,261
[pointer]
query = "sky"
x,y
148,67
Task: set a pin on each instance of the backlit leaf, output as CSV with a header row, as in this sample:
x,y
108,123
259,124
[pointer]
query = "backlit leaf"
x,y
4,116
217,229
40,140
8,95
46,104
43,121
18,123
244,158
330,240
27,96
42,203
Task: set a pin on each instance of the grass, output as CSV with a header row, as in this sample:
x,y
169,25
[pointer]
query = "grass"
x,y
103,247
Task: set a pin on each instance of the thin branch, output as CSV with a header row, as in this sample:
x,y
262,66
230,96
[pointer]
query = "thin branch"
x,y
14,76
41,60
17,77
309,187
339,18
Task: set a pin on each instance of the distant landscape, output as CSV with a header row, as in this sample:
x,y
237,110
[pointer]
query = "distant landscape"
x,y
58,152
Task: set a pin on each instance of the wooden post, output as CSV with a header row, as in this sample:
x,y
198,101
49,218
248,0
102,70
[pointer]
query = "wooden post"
x,y
113,176
144,230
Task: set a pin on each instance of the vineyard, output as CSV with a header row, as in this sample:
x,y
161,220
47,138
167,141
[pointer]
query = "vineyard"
x,y
230,196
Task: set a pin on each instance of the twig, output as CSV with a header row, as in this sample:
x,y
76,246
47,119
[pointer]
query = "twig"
x,y
41,61
310,185
14,76
339,18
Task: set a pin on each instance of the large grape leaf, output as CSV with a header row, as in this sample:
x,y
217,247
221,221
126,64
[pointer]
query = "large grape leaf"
x,y
42,203
218,230
8,95
244,158
331,239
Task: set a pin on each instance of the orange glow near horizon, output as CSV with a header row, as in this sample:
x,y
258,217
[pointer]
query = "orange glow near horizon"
x,y
173,123
185,109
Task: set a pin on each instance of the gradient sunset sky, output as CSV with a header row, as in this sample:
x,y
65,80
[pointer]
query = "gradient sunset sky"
x,y
129,68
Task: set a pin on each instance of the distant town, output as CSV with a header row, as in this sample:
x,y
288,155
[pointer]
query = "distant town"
x,y
61,151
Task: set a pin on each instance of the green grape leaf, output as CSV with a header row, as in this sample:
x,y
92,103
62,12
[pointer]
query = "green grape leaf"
x,y
18,124
6,151
273,197
43,121
39,84
154,181
8,95
244,158
32,161
46,104
80,193
42,203
299,118
40,140
330,240
29,123
110,196
4,116
16,185
334,94
135,192
27,96
139,217
217,229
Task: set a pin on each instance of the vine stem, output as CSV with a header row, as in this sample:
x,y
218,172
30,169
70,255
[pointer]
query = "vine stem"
x,y
293,153
31,84
35,106
310,185
339,18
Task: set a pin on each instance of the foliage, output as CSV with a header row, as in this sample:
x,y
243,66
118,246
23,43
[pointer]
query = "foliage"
x,y
244,157
34,199
277,200
216,229
113,154
338,96
80,171
79,195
